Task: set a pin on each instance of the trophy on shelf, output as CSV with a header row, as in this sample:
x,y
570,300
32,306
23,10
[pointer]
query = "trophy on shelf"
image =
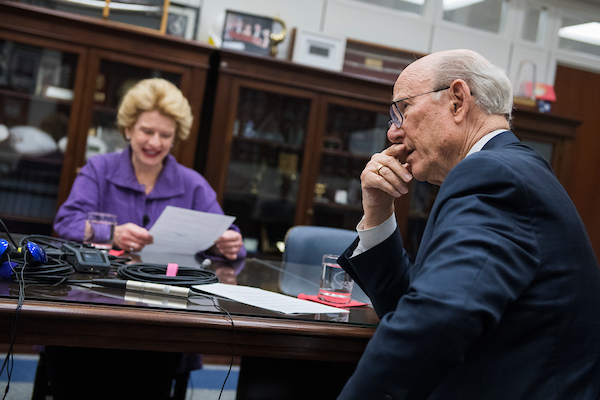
x,y
320,190
276,38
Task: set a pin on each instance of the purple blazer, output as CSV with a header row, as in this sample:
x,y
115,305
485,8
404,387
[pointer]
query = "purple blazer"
x,y
107,183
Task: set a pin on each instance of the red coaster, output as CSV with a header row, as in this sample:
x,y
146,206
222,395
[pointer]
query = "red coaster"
x,y
353,303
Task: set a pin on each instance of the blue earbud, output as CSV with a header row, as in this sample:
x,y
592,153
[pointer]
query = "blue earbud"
x,y
6,270
35,254
5,250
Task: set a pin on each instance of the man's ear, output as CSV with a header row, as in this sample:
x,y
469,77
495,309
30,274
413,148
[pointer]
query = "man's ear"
x,y
460,98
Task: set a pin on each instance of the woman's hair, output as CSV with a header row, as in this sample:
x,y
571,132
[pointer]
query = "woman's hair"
x,y
160,95
489,83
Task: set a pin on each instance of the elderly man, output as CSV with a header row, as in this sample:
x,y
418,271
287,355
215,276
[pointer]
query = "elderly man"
x,y
503,299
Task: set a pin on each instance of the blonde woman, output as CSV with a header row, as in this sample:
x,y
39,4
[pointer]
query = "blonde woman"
x,y
137,184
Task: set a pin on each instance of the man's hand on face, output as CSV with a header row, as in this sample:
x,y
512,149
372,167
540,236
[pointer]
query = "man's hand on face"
x,y
383,179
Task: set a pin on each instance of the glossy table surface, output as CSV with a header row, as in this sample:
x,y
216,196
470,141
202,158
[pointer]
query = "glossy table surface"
x,y
75,315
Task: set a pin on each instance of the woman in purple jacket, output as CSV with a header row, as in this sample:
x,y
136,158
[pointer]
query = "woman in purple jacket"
x,y
137,184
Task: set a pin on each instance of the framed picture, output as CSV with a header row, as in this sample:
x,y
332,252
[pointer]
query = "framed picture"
x,y
381,62
24,69
318,50
49,71
181,21
246,32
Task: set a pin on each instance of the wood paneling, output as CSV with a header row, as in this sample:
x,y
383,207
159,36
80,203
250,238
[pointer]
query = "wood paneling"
x,y
578,95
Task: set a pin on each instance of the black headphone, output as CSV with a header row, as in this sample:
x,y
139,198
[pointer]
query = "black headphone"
x,y
32,253
17,264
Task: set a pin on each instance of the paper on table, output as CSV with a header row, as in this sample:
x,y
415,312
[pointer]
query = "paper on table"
x,y
182,231
269,300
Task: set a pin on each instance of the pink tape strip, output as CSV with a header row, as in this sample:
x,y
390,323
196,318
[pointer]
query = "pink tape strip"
x,y
172,269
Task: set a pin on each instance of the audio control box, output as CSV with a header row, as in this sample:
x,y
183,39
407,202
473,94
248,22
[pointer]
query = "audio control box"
x,y
86,259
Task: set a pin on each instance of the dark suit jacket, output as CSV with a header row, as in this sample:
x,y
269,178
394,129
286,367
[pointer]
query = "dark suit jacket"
x,y
503,300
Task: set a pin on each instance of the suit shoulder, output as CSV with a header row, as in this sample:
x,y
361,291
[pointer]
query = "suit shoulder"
x,y
511,159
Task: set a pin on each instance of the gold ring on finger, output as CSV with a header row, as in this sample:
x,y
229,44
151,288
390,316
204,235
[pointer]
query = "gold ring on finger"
x,y
379,169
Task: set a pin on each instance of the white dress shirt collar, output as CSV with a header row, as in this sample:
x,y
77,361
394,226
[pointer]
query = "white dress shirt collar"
x,y
483,141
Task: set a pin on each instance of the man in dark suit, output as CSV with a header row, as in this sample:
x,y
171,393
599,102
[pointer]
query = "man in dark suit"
x,y
503,299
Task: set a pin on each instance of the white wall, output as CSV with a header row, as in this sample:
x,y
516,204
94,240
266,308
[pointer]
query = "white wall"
x,y
373,24
422,34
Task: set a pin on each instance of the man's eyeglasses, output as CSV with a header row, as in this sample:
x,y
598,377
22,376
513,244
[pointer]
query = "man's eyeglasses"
x,y
396,117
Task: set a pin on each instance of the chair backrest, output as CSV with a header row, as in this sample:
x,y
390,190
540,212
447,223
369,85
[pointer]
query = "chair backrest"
x,y
304,250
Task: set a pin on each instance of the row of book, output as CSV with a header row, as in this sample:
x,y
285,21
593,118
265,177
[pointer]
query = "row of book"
x,y
29,193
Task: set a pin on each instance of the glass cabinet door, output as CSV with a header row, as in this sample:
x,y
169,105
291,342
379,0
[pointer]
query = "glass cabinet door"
x,y
36,100
266,163
352,134
112,83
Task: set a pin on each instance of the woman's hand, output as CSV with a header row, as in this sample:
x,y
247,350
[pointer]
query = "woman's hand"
x,y
131,237
229,244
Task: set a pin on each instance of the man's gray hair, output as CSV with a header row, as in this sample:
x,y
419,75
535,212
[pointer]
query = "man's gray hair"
x,y
489,83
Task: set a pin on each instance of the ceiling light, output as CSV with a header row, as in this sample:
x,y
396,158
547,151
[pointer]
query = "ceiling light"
x,y
450,5
115,5
587,33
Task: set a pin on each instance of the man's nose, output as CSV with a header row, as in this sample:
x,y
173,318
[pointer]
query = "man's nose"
x,y
395,134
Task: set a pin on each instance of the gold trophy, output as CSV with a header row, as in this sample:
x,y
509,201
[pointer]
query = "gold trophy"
x,y
277,38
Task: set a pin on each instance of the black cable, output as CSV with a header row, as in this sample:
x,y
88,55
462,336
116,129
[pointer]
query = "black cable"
x,y
8,233
47,241
186,276
55,273
9,359
223,309
156,273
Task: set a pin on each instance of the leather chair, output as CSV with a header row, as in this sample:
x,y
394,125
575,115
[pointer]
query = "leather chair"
x,y
275,379
304,250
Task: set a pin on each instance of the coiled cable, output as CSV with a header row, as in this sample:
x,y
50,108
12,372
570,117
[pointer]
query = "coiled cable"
x,y
156,273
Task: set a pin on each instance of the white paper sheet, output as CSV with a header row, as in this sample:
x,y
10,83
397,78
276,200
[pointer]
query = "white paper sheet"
x,y
268,300
182,231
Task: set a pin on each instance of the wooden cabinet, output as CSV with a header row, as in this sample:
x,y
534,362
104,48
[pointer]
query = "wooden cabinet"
x,y
288,143
282,144
61,79
551,134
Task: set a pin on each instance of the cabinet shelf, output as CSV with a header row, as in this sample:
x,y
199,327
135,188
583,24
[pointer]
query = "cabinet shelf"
x,y
253,196
339,206
32,97
345,154
105,109
28,219
269,143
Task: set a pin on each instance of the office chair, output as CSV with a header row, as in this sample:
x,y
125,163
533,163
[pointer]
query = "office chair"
x,y
304,250
274,379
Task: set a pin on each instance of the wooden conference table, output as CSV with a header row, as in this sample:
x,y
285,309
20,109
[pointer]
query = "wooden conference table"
x,y
70,315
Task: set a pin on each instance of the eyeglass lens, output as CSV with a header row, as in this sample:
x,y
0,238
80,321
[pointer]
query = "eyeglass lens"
x,y
396,116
